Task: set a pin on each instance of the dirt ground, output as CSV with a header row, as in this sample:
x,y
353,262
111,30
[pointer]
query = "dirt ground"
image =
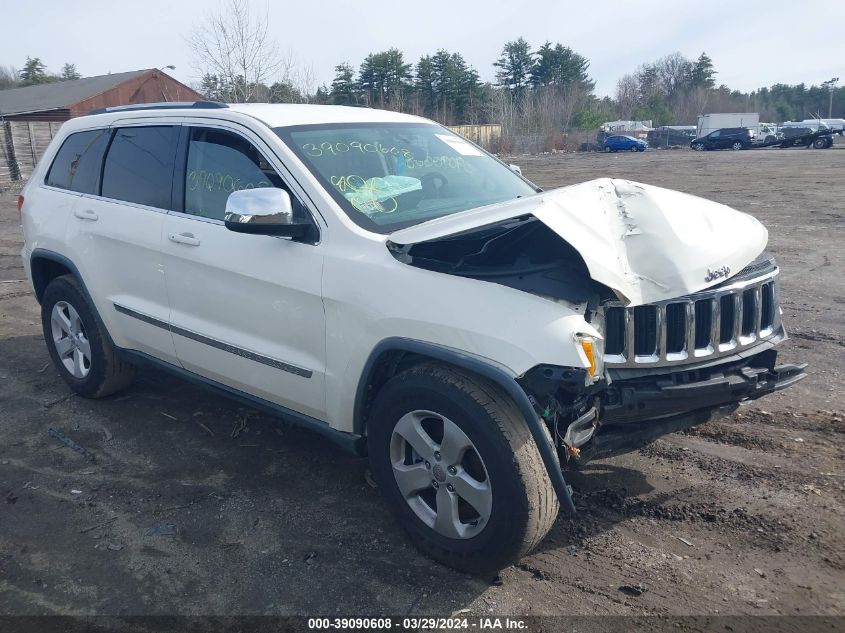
x,y
195,506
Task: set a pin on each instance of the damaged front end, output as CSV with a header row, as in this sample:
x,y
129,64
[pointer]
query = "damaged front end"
x,y
684,338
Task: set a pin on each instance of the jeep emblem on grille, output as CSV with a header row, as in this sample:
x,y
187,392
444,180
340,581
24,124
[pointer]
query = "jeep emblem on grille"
x,y
712,274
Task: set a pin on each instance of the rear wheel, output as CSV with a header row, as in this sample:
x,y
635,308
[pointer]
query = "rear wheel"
x,y
455,460
822,143
81,349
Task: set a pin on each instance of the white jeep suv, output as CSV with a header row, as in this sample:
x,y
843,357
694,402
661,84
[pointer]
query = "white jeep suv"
x,y
382,281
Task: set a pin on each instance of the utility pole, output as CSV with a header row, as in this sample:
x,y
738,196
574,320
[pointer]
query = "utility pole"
x,y
830,84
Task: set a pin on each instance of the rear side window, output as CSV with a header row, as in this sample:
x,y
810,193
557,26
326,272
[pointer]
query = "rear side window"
x,y
139,165
77,164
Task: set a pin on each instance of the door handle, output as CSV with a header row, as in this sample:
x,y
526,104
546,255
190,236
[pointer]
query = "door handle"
x,y
187,239
86,214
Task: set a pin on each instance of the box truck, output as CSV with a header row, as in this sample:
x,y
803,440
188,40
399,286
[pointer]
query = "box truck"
x,y
709,122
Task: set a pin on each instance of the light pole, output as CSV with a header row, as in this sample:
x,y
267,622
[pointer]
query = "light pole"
x,y
830,84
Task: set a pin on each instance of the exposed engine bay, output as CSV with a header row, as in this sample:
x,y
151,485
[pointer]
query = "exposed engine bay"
x,y
521,253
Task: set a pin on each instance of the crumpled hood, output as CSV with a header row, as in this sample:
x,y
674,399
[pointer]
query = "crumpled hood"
x,y
646,243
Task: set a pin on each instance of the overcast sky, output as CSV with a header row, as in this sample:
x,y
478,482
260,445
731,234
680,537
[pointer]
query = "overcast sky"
x,y
744,38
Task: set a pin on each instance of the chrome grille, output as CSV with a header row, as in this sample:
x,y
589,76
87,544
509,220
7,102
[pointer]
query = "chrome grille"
x,y
705,325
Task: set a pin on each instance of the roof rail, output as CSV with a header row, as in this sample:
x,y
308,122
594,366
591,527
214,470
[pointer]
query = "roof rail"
x,y
163,105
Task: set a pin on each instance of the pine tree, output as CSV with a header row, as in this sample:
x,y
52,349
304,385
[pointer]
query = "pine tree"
x,y
703,75
69,72
344,90
559,66
213,88
384,77
515,66
424,85
34,72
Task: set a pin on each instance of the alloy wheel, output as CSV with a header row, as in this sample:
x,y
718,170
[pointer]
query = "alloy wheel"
x,y
70,340
441,474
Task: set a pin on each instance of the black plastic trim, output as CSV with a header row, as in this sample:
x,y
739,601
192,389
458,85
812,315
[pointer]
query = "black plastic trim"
x,y
482,368
650,398
42,253
349,442
164,105
226,347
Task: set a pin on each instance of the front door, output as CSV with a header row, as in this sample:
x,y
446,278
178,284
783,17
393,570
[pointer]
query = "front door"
x,y
716,140
246,310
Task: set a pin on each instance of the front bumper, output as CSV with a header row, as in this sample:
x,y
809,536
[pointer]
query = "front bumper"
x,y
639,410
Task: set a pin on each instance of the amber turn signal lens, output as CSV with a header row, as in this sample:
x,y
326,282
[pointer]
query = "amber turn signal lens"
x,y
589,350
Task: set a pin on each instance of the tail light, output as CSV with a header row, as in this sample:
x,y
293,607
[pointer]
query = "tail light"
x,y
20,207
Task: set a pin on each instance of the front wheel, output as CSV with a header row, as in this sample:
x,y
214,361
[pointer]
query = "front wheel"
x,y
698,147
456,462
737,145
81,349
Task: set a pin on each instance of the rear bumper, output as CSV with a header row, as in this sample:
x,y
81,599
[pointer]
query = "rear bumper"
x,y
638,411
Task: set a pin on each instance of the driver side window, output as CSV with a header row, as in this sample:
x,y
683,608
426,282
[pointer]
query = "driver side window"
x,y
220,162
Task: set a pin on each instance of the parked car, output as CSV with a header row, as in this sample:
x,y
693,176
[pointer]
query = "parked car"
x,y
671,136
793,131
624,143
380,280
726,138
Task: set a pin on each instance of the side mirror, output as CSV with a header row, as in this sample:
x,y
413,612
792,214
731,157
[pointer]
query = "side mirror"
x,y
516,169
265,211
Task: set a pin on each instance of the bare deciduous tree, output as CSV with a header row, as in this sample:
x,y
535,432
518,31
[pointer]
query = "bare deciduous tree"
x,y
235,45
9,77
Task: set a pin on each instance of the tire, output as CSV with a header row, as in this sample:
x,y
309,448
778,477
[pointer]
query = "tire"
x,y
737,145
821,143
698,147
502,462
607,149
633,148
78,343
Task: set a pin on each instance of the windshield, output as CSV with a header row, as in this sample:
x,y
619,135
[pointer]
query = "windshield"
x,y
388,176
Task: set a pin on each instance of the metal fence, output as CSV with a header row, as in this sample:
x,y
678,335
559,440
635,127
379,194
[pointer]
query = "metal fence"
x,y
486,135
22,143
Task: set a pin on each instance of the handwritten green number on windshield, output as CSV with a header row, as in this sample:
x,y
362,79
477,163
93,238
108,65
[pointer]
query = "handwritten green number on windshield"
x,y
328,148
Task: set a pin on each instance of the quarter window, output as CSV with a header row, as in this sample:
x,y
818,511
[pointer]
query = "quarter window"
x,y
77,164
219,163
139,165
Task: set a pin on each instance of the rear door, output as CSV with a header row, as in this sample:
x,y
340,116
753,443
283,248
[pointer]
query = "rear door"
x,y
247,310
116,237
